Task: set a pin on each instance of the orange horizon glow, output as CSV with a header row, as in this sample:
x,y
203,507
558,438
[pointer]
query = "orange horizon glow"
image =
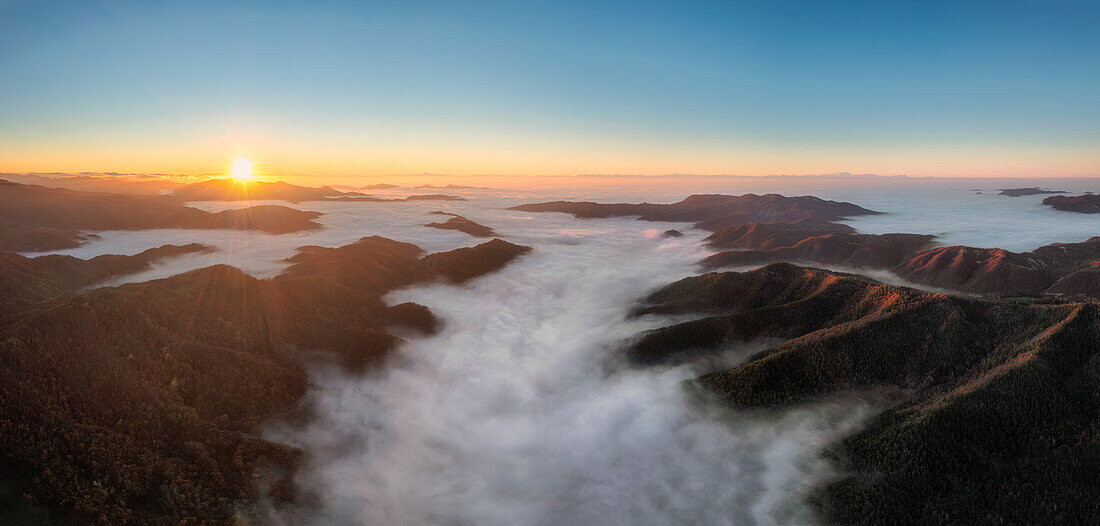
x,y
686,98
800,184
331,163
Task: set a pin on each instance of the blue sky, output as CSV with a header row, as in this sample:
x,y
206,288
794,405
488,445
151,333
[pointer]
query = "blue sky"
x,y
924,88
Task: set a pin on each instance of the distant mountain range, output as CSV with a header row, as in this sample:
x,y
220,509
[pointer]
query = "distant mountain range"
x,y
38,218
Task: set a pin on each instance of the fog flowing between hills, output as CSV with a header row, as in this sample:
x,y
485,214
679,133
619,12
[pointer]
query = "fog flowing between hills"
x,y
522,412
522,408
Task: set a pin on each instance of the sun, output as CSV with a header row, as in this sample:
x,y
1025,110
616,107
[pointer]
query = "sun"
x,y
242,169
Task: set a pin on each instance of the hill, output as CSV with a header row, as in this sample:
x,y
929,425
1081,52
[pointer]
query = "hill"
x,y
38,218
230,189
1083,204
986,271
999,419
108,183
713,211
138,404
25,281
457,222
463,264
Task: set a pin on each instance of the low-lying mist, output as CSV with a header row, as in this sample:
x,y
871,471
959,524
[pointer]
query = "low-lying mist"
x,y
521,410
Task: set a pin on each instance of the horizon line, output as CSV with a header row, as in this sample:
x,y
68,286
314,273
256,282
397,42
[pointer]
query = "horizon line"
x,y
261,176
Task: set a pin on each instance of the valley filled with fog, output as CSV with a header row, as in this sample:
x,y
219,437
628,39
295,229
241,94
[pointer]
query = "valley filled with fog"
x,y
522,409
549,263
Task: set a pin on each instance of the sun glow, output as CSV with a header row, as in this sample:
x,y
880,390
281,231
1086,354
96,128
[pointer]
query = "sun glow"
x,y
242,169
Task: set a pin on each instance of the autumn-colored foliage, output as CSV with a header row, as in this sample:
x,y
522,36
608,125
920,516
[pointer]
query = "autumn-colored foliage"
x,y
999,424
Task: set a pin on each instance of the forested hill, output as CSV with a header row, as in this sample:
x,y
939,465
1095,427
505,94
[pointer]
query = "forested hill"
x,y
1060,269
1000,424
138,404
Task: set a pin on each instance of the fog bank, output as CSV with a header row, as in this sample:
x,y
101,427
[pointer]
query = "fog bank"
x,y
521,411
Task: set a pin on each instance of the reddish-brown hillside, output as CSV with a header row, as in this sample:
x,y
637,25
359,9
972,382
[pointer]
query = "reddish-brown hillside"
x,y
986,271
998,422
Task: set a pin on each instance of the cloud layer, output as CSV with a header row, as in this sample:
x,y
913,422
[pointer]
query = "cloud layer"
x,y
521,411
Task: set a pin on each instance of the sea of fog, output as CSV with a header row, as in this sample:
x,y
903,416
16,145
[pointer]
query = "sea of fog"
x,y
521,409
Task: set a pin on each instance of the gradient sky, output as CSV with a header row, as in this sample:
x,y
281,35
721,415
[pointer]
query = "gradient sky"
x,y
344,88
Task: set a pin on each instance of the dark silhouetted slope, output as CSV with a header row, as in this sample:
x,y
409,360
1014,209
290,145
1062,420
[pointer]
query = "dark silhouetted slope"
x,y
25,281
713,211
463,264
1017,192
138,404
110,183
40,218
464,225
1083,204
230,189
